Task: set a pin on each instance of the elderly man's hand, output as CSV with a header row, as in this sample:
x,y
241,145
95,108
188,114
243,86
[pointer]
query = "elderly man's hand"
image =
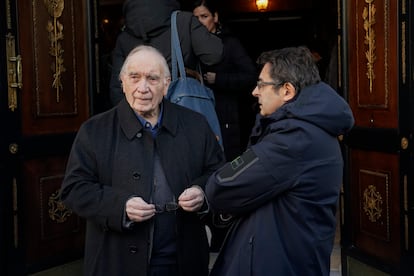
x,y
191,199
138,210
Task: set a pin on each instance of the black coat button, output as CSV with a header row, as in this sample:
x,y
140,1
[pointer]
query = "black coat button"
x,y
136,175
133,249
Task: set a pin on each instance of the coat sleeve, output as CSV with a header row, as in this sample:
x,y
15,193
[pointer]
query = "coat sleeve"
x,y
263,172
213,158
82,190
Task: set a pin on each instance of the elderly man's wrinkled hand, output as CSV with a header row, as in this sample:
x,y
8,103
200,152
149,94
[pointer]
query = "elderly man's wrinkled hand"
x,y
138,210
192,199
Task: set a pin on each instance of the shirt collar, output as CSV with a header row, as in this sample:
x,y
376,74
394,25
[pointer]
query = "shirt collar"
x,y
147,125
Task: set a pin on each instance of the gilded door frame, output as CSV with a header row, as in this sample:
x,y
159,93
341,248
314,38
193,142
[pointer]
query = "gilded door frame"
x,y
373,136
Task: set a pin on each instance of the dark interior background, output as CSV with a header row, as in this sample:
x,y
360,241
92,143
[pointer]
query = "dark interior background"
x,y
285,23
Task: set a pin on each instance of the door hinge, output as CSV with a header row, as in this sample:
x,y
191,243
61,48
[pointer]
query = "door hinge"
x,y
14,71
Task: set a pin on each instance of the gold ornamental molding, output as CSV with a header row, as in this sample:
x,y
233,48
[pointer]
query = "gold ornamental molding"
x,y
368,15
55,30
8,15
339,48
373,202
57,210
404,7
404,43
403,53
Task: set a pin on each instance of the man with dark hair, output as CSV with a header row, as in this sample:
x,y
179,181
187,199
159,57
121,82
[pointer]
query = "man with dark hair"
x,y
283,191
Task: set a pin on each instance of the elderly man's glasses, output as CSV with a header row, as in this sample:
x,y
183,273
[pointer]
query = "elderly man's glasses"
x,y
261,84
167,207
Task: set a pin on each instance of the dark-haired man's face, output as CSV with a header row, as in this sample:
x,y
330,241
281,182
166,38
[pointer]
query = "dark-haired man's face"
x,y
268,96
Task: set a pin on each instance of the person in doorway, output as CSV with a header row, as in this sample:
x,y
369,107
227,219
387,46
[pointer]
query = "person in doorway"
x,y
231,80
283,191
137,172
143,27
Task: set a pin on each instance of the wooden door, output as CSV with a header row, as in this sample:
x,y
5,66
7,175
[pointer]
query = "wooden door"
x,y
377,76
45,91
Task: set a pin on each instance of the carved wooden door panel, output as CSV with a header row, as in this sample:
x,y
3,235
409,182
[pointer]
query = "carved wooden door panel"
x,y
45,101
377,201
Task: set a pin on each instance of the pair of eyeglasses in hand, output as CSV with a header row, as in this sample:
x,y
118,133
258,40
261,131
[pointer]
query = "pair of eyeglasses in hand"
x,y
167,207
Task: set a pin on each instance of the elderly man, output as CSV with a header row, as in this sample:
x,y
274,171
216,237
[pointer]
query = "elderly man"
x,y
137,174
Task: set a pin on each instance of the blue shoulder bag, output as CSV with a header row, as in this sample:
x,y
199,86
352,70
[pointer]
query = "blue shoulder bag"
x,y
187,91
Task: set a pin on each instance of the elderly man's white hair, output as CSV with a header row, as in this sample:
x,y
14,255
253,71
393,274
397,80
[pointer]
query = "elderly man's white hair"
x,y
145,48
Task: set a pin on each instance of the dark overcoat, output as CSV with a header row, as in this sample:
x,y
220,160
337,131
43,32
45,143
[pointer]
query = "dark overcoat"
x,y
111,160
236,77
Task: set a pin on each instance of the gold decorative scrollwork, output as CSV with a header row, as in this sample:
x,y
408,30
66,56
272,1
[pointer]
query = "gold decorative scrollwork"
x,y
57,210
55,30
368,15
372,203
13,148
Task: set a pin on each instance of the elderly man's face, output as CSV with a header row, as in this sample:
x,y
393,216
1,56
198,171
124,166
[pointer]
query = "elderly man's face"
x,y
144,83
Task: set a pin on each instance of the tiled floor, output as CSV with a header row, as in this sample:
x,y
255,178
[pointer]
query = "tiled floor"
x,y
336,254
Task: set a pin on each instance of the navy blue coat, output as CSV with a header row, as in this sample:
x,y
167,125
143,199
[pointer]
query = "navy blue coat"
x,y
112,159
284,190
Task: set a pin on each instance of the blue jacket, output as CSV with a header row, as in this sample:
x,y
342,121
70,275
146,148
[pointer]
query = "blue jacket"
x,y
284,189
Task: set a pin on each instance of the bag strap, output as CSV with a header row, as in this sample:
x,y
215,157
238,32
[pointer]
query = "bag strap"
x,y
176,54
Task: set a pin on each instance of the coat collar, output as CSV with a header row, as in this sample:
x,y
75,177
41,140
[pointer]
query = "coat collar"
x,y
131,126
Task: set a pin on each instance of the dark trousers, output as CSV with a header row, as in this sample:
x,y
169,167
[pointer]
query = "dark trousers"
x,y
163,270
